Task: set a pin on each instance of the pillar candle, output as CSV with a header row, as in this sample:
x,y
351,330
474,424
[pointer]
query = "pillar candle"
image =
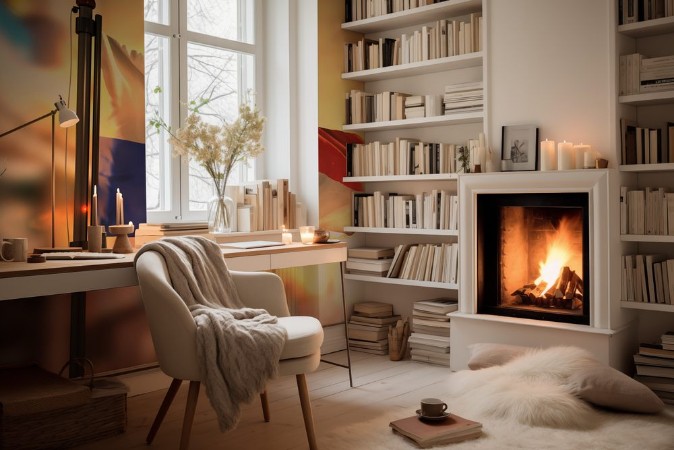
x,y
589,160
94,208
548,155
565,158
579,151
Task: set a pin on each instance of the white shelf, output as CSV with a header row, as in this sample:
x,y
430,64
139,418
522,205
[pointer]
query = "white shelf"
x,y
400,281
651,98
657,238
662,167
413,231
436,121
414,16
417,68
648,27
648,306
429,177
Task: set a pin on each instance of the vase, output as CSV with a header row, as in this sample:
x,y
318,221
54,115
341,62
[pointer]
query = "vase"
x,y
220,210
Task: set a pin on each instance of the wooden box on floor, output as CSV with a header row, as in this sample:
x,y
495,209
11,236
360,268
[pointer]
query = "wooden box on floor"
x,y
41,410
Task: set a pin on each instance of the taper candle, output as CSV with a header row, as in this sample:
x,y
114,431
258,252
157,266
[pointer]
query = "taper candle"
x,y
94,208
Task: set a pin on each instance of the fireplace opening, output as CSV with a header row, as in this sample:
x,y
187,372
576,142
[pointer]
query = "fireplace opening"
x,y
533,256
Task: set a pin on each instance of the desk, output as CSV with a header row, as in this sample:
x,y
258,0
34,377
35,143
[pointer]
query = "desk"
x,y
24,280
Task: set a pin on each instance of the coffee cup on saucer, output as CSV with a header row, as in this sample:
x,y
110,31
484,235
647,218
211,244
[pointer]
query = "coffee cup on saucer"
x,y
432,408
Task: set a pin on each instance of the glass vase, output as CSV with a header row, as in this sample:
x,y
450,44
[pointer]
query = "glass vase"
x,y
220,209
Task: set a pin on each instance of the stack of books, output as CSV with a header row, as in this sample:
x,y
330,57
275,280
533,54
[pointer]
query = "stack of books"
x,y
639,74
368,327
371,261
428,434
463,97
429,341
415,106
655,367
147,232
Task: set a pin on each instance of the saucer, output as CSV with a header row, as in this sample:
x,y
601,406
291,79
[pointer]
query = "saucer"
x,y
444,416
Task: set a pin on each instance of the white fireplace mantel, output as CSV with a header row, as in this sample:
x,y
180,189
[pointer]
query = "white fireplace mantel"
x,y
608,327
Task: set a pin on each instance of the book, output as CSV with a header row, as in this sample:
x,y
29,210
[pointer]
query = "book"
x,y
426,434
655,350
251,244
357,318
437,305
656,383
373,309
655,371
173,226
371,252
432,330
81,255
653,361
373,265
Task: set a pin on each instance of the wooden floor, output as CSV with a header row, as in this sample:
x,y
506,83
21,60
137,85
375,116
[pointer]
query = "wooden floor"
x,y
381,386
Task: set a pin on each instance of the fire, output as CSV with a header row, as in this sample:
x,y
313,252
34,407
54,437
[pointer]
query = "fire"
x,y
559,254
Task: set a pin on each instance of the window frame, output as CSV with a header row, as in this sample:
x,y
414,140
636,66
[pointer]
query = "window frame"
x,y
179,36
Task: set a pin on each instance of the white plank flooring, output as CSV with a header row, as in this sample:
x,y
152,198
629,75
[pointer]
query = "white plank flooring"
x,y
389,389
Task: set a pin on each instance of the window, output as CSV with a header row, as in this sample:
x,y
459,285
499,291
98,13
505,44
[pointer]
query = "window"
x,y
198,54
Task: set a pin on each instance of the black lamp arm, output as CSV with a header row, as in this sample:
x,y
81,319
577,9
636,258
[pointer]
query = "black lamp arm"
x,y
50,113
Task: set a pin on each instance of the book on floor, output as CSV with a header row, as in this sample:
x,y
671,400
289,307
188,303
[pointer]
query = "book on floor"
x,y
426,434
363,334
357,318
656,383
655,371
655,350
373,309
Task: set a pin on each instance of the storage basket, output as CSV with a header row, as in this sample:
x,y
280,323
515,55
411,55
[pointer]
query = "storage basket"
x,y
56,418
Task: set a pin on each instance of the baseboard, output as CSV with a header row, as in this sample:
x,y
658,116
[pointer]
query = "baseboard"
x,y
334,339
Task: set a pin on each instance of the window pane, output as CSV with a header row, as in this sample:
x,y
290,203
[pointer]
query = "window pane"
x,y
218,80
229,19
157,11
157,150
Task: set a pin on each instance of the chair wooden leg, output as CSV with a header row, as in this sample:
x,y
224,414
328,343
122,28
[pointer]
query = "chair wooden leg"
x,y
190,408
305,402
265,405
168,399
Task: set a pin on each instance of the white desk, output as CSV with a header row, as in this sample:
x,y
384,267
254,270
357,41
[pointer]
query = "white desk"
x,y
24,280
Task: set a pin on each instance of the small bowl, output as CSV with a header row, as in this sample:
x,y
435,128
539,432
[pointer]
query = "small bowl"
x,y
321,236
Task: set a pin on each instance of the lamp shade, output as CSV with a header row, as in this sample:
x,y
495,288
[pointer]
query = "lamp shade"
x,y
67,117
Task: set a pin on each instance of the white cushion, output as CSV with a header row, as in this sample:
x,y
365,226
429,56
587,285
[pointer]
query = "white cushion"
x,y
305,336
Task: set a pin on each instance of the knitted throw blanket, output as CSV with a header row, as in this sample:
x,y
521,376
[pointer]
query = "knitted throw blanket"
x,y
238,347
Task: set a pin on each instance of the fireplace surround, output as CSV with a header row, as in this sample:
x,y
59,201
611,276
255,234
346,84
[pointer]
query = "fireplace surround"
x,y
606,330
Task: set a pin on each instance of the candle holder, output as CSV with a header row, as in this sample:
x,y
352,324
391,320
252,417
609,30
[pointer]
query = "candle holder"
x,y
95,238
122,243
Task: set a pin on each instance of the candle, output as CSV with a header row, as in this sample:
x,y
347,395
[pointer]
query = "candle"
x,y
580,151
119,208
548,155
94,208
286,237
565,160
589,160
307,234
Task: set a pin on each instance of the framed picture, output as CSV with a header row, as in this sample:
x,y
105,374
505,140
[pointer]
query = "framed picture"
x,y
519,148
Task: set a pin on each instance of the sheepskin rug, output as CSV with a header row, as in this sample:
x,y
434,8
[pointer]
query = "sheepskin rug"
x,y
532,389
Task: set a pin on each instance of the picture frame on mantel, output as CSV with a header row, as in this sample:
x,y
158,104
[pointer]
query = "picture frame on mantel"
x,y
519,148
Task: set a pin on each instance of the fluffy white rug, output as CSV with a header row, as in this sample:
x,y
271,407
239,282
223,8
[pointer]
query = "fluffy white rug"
x,y
526,404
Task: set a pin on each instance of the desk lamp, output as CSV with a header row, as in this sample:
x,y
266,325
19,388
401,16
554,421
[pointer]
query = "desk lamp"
x,y
67,118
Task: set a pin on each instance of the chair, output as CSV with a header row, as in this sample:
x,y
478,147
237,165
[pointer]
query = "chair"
x,y
173,333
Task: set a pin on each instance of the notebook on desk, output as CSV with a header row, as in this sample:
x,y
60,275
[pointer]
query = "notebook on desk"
x,y
251,244
81,255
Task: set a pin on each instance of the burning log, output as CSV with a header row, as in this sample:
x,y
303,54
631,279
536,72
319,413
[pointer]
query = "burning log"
x,y
566,292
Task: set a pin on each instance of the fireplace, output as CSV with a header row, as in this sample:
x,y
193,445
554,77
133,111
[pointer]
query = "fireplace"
x,y
532,256
577,207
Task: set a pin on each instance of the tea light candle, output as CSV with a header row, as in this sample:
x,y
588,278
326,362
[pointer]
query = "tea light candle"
x,y
307,234
565,159
286,237
548,155
580,151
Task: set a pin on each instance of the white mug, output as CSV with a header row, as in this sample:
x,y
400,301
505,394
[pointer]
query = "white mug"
x,y
14,249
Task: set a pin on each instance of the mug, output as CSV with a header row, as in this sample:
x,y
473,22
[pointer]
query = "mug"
x,y
433,407
14,249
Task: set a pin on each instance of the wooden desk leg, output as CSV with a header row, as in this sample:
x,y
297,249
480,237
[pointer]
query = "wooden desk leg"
x,y
77,331
346,328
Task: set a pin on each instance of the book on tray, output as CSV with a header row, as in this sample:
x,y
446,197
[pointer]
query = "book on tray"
x,y
427,434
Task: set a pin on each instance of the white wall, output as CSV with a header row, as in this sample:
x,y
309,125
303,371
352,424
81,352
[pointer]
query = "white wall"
x,y
549,65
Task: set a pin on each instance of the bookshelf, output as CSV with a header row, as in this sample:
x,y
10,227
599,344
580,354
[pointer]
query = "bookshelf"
x,y
425,77
652,39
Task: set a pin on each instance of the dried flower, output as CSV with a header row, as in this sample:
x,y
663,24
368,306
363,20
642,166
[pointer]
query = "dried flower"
x,y
218,148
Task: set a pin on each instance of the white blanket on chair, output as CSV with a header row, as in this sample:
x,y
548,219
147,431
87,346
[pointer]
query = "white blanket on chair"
x,y
238,347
